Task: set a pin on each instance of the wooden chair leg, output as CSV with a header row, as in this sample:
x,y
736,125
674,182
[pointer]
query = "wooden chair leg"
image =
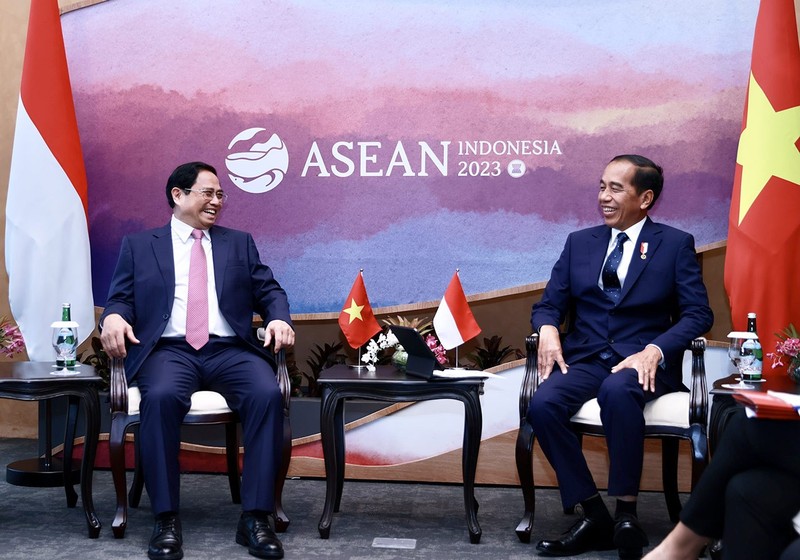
x,y
669,476
281,519
116,450
524,456
232,456
137,486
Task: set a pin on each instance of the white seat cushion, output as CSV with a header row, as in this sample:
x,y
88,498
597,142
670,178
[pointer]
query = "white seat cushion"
x,y
671,410
202,402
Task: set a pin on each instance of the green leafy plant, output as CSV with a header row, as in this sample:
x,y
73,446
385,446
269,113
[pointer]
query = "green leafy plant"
x,y
422,324
295,375
492,354
322,357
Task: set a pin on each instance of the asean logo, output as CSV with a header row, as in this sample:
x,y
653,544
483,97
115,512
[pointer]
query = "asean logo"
x,y
262,167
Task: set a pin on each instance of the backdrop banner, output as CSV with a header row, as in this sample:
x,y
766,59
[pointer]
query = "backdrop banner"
x,y
405,138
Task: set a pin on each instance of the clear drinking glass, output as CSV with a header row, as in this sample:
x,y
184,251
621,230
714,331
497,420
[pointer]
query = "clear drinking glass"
x,y
742,357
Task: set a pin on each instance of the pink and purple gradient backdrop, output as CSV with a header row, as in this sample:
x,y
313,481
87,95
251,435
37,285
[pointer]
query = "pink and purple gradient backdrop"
x,y
161,82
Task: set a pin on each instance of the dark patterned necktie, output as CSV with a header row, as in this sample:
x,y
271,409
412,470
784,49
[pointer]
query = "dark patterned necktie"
x,y
611,283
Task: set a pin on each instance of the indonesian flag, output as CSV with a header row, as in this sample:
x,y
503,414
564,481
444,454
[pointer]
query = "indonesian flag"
x,y
454,323
47,240
356,319
762,266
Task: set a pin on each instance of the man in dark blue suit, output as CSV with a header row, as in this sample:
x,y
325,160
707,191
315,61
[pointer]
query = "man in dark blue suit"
x,y
152,320
634,302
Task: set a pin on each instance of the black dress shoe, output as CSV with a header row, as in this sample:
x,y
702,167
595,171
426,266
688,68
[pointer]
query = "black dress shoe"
x,y
587,534
715,549
629,537
255,533
166,542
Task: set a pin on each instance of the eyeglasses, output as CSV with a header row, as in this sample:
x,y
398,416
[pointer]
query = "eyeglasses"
x,y
208,194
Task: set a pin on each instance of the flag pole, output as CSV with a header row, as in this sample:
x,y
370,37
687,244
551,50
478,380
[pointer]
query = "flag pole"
x,y
358,364
456,366
358,333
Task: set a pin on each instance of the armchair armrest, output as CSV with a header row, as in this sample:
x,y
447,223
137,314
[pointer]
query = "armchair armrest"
x,y
530,382
281,372
118,387
698,391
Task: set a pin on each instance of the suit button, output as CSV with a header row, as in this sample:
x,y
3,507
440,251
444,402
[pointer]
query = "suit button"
x,y
611,341
165,316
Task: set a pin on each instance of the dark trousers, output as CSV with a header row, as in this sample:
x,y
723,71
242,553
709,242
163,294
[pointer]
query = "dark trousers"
x,y
792,552
621,400
723,408
167,379
750,491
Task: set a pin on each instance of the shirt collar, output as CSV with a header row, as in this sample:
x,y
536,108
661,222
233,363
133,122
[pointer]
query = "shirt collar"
x,y
184,231
633,231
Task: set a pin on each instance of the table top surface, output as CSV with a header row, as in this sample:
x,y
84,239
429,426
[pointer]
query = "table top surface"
x,y
43,372
775,382
341,373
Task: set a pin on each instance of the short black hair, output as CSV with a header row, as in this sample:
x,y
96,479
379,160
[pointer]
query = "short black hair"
x,y
648,175
185,176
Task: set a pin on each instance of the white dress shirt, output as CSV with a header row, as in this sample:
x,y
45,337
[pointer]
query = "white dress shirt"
x,y
627,250
182,242
627,254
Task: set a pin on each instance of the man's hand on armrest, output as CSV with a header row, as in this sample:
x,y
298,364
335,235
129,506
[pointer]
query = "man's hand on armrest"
x,y
114,332
549,351
281,332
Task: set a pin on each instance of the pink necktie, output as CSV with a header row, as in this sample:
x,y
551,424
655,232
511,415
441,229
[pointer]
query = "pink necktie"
x,y
197,299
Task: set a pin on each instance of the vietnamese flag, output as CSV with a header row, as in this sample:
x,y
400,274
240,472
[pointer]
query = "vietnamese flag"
x,y
47,237
762,266
356,319
453,322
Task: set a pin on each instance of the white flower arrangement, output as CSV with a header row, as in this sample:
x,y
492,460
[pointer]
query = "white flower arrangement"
x,y
374,347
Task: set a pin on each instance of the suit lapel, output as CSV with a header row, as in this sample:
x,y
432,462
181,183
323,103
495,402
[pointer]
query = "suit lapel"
x,y
597,248
162,251
219,249
651,235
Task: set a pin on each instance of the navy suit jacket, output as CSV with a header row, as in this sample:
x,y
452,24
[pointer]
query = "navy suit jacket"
x,y
663,301
143,288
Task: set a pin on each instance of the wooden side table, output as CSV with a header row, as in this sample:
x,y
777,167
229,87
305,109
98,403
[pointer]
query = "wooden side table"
x,y
389,384
34,381
722,400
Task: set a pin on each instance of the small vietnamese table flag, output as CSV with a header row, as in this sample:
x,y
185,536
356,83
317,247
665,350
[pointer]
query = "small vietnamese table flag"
x,y
454,323
47,237
762,264
356,319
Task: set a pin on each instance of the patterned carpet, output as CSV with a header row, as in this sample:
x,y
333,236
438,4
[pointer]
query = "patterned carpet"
x,y
35,522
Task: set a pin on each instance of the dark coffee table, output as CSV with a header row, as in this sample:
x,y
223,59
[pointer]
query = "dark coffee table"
x,y
389,384
722,402
34,381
